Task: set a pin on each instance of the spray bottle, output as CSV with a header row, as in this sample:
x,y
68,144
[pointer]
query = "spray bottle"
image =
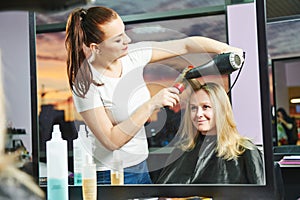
x,y
57,166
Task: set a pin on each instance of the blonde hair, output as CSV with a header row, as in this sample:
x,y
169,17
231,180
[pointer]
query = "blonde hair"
x,y
230,144
8,167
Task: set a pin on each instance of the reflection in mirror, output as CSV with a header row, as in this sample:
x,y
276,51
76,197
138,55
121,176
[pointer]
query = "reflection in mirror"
x,y
284,65
55,102
287,104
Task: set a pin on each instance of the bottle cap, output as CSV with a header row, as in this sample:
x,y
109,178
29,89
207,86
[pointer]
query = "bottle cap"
x,y
82,128
116,156
88,159
56,132
89,132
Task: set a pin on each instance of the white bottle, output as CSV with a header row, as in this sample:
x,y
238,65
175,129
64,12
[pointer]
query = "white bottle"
x,y
89,179
78,156
57,166
117,170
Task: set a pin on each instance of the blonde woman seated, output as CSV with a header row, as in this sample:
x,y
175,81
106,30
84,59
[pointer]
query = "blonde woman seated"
x,y
210,148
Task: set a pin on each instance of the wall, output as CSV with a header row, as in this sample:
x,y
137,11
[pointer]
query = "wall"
x,y
292,74
246,99
281,90
286,75
14,44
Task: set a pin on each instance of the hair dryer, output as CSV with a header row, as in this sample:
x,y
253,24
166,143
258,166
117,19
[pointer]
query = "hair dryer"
x,y
224,63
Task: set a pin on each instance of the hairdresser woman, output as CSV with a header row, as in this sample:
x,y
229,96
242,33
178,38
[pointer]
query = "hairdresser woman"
x,y
109,90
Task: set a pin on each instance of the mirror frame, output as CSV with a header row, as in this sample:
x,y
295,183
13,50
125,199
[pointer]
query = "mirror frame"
x,y
33,83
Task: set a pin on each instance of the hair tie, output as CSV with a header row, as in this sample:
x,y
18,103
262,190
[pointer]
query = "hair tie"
x,y
82,14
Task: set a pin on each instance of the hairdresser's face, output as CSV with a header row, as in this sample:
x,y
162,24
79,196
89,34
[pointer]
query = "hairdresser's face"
x,y
115,44
202,113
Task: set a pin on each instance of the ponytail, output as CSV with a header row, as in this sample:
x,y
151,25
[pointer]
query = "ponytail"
x,y
84,28
78,69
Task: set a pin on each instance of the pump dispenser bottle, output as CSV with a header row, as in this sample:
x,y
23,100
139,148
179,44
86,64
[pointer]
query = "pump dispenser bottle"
x,y
89,179
78,156
57,166
117,170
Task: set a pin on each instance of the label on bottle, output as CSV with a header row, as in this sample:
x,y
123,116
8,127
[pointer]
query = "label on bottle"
x,y
57,189
89,189
78,163
77,179
117,178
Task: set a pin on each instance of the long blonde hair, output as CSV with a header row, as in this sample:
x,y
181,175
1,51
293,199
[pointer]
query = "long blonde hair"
x,y
8,167
230,144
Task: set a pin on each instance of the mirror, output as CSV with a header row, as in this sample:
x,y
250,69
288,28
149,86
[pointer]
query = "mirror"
x,y
54,99
284,65
54,104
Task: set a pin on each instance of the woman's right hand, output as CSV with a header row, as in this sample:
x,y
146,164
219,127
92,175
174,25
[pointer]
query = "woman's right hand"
x,y
165,97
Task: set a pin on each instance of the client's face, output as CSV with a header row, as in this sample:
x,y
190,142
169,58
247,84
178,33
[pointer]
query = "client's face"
x,y
202,113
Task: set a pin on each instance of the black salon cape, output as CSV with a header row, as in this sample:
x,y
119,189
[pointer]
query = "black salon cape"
x,y
202,166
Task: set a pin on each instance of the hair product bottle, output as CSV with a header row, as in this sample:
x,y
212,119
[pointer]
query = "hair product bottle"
x,y
117,171
89,179
57,166
78,156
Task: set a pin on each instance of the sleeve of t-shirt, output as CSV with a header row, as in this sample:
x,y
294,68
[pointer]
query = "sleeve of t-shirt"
x,y
91,100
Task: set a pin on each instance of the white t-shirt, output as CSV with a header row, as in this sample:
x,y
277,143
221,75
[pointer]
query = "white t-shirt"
x,y
120,97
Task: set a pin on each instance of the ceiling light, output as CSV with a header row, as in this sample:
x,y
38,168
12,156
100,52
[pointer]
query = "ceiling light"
x,y
295,100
